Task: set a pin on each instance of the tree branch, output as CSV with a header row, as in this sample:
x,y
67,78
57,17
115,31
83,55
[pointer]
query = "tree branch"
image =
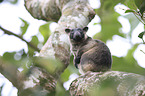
x,y
20,37
68,14
111,83
11,73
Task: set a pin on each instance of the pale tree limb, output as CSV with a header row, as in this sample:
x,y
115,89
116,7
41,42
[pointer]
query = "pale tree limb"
x,y
68,14
111,83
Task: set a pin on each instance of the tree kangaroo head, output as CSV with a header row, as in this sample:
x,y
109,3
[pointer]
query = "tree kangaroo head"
x,y
77,34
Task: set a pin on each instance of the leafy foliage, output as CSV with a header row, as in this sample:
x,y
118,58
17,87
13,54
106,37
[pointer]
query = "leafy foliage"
x,y
45,31
141,36
24,26
110,27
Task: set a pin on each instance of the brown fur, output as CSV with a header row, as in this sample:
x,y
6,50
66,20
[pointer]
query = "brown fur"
x,y
90,55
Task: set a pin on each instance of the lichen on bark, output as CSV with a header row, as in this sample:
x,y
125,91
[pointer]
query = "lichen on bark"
x,y
68,14
111,83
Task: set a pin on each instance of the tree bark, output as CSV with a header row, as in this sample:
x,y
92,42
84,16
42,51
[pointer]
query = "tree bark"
x,y
68,14
111,83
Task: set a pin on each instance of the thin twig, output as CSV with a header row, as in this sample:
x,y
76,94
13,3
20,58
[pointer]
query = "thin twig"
x,y
11,33
139,18
143,41
142,51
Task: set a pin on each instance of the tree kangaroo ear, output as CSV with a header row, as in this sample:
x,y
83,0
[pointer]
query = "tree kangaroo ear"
x,y
67,30
85,29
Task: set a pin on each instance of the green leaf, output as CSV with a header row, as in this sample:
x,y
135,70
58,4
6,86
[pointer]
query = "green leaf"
x,y
24,26
45,31
129,10
35,40
141,35
13,1
65,75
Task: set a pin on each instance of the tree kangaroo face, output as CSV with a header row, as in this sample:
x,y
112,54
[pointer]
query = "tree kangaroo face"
x,y
77,34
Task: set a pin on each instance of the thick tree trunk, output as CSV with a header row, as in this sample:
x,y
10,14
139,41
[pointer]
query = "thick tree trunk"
x,y
68,14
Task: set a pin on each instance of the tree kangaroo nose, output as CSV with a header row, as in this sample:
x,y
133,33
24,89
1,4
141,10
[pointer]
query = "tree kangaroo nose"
x,y
77,36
